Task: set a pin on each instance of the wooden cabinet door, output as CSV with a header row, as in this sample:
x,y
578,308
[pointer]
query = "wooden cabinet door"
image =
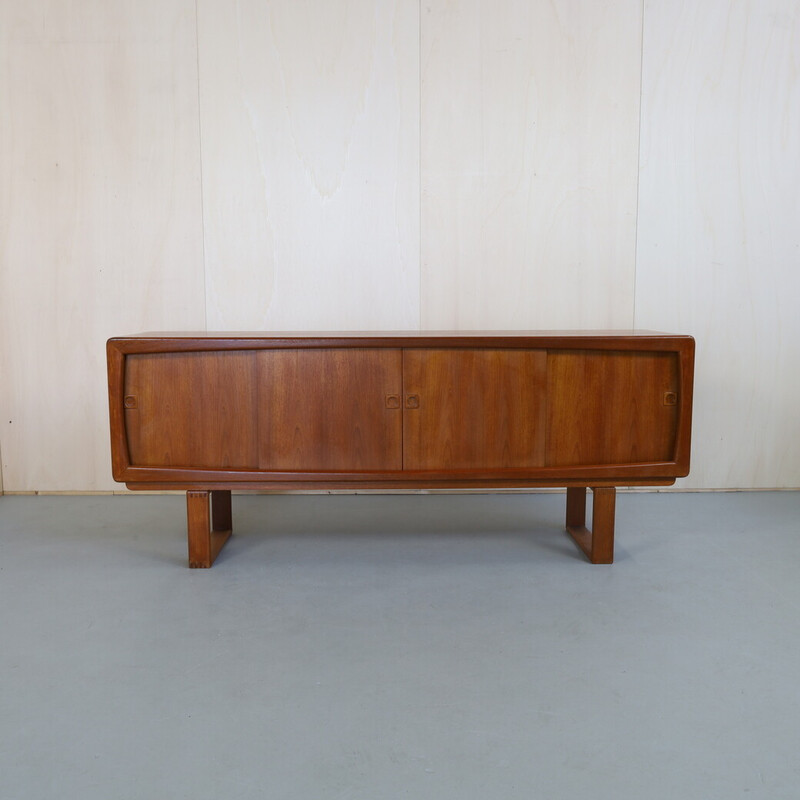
x,y
481,409
193,410
292,410
611,407
330,410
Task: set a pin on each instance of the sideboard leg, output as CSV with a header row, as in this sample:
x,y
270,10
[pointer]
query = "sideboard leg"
x,y
598,543
576,507
604,507
209,518
221,511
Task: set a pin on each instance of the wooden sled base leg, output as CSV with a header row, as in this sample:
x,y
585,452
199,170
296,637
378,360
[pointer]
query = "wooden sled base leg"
x,y
597,543
209,517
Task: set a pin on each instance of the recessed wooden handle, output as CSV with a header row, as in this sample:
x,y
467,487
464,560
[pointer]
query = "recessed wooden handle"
x,y
130,402
412,401
392,401
670,399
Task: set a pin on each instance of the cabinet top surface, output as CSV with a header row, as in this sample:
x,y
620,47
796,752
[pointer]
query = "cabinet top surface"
x,y
409,335
168,342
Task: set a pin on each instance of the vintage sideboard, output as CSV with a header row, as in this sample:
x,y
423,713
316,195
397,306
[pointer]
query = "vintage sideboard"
x,y
212,413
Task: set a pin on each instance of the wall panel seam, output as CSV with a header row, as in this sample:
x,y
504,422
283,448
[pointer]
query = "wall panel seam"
x,y
420,263
638,164
200,161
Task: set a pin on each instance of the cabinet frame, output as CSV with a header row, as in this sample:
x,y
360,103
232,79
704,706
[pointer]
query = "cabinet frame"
x,y
596,476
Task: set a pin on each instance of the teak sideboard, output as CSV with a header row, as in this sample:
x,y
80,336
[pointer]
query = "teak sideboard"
x,y
211,413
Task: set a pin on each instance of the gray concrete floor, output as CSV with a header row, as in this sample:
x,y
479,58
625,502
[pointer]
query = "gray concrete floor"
x,y
421,646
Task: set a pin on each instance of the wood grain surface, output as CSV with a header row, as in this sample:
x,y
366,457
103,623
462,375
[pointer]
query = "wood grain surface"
x,y
327,409
193,409
477,408
611,408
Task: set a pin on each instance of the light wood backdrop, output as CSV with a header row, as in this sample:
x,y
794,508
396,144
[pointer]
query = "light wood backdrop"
x,y
387,164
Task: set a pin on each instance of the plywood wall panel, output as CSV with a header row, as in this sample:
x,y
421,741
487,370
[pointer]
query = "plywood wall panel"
x,y
100,217
529,160
388,164
719,225
310,142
